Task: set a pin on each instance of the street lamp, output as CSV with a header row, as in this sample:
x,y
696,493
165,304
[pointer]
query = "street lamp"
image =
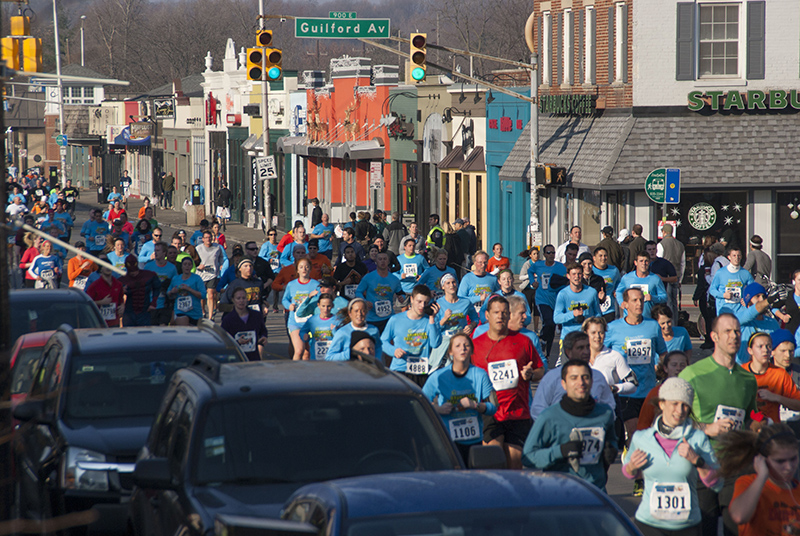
x,y
83,58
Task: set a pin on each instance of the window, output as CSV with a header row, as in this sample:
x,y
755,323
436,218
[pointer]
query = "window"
x,y
621,43
568,53
589,65
547,47
719,40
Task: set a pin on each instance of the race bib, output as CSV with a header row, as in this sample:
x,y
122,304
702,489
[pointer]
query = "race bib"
x,y
109,312
788,414
321,350
593,440
546,281
383,308
640,352
70,199
504,374
350,291
254,307
465,429
671,501
80,282
644,287
39,193
736,293
184,304
99,240
275,264
437,294
729,412
416,365
246,340
47,274
605,305
409,270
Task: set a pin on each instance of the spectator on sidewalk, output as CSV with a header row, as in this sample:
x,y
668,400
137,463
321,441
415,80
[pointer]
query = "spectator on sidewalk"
x,y
758,263
168,186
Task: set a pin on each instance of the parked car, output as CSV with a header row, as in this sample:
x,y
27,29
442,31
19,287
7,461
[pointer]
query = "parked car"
x,y
25,357
88,411
46,309
455,502
239,440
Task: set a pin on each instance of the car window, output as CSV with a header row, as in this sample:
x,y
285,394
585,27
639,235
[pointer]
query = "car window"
x,y
308,512
163,428
41,375
25,366
312,437
126,384
27,318
183,430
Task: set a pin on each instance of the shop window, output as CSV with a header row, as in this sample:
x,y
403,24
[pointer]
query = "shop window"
x,y
788,235
719,40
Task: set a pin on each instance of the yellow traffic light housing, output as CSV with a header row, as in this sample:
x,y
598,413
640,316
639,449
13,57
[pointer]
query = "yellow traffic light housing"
x,y
32,55
255,63
10,46
274,61
418,56
20,25
263,38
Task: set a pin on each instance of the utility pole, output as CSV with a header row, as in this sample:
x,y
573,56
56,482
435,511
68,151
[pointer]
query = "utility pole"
x,y
265,119
6,485
534,230
62,150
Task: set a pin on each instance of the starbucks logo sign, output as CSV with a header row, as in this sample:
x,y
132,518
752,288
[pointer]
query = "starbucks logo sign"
x,y
702,216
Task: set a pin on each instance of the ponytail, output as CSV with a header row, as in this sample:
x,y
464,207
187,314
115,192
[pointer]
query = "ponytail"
x,y
737,448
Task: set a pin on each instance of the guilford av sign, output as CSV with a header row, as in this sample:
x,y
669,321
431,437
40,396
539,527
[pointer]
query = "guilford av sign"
x,y
774,99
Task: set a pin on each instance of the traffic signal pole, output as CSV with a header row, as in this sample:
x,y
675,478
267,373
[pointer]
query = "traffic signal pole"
x,y
62,151
265,118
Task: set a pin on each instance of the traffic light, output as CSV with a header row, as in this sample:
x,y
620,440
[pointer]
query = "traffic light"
x,y
274,67
255,63
418,56
20,25
263,38
32,55
10,48
555,176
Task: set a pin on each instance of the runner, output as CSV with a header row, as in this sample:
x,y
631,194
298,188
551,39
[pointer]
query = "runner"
x,y
478,285
753,316
461,395
619,376
575,303
108,294
505,282
45,269
641,277
497,262
320,328
118,255
362,345
379,288
327,285
212,263
142,288
298,290
461,318
668,367
246,326
269,250
70,195
147,251
432,277
94,231
410,336
79,268
540,274
512,363
299,239
576,436
764,503
728,283
323,232
166,272
411,266
354,320
188,290
670,456
246,279
348,274
675,337
776,390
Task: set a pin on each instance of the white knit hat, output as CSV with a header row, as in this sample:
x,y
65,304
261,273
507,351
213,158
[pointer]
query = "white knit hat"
x,y
676,389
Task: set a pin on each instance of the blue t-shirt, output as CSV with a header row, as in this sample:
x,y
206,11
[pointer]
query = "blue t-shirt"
x,y
641,345
416,337
287,257
41,263
411,268
431,278
539,271
734,283
95,234
680,340
379,291
472,286
443,386
164,273
326,231
339,349
462,314
612,277
750,324
188,304
567,301
651,285
117,260
296,292
269,252
321,332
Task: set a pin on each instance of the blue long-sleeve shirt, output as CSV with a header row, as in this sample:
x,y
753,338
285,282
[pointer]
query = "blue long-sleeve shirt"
x,y
462,313
379,291
539,271
733,282
287,257
651,285
321,332
295,293
269,252
473,286
339,349
432,277
147,249
567,301
612,278
641,344
411,268
416,337
751,323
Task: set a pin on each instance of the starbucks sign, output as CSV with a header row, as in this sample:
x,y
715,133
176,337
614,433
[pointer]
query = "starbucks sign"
x,y
702,216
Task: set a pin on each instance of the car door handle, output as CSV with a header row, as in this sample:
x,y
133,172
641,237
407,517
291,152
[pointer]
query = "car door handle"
x,y
155,501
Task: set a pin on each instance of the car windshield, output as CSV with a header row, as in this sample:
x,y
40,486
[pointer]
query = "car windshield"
x,y
127,384
24,368
46,316
494,522
311,437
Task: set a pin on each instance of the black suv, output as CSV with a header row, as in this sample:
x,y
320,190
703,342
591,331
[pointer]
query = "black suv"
x,y
46,309
89,409
240,439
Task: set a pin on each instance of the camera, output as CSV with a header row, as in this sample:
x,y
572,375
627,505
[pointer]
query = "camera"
x,y
428,310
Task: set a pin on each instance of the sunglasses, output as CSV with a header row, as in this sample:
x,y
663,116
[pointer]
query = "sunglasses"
x,y
272,234
157,235
549,252
251,249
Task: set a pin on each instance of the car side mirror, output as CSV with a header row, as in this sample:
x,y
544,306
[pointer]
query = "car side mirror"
x,y
153,473
487,457
32,410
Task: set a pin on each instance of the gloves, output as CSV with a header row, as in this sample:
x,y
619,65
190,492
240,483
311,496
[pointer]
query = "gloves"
x,y
777,295
572,449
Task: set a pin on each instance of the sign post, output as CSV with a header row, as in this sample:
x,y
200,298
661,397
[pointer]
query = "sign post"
x,y
663,186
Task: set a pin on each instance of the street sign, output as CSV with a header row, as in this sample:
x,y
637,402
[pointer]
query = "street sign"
x,y
317,28
375,175
61,140
23,153
663,185
266,168
342,14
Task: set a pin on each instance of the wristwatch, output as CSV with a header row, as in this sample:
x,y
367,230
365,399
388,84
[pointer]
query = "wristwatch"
x,y
700,463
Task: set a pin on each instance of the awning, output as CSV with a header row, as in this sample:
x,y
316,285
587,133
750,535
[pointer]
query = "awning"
x,y
373,149
124,138
453,160
363,150
253,143
287,144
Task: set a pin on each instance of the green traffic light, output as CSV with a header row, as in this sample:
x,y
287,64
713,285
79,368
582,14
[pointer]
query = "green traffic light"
x,y
274,73
418,73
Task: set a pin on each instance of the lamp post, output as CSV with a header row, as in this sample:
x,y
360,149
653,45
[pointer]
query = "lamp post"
x,y
534,233
61,150
83,57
